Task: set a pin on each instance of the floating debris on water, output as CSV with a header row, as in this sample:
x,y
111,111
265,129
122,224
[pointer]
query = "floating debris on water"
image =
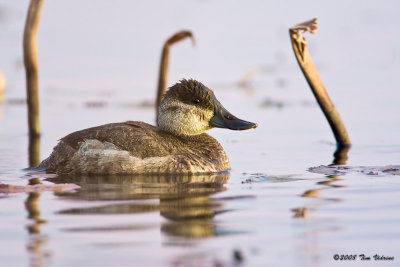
x,y
270,103
367,170
260,178
238,256
6,188
95,104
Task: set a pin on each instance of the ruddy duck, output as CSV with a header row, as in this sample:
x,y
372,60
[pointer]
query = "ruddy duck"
x,y
178,144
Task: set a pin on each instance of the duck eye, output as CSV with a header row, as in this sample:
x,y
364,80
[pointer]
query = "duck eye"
x,y
196,100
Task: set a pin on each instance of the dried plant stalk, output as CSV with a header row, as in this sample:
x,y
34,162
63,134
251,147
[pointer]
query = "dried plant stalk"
x,y
162,77
310,72
340,156
34,150
31,68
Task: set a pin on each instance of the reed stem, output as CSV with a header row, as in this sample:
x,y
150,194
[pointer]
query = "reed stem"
x,y
163,74
31,66
314,81
34,150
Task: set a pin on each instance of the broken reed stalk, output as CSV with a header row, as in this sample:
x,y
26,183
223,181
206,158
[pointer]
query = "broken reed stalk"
x,y
311,74
31,68
340,156
162,77
34,150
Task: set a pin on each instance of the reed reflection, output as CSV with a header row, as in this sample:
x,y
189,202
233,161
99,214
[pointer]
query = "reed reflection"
x,y
184,200
36,239
340,157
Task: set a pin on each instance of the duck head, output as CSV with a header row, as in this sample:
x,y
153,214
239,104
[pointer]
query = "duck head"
x,y
190,108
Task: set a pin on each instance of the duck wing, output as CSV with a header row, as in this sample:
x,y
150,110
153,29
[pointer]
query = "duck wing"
x,y
138,138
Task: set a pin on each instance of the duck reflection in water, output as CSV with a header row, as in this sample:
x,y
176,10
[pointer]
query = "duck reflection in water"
x,y
184,200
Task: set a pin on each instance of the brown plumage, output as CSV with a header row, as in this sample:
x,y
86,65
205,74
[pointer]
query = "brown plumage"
x,y
177,145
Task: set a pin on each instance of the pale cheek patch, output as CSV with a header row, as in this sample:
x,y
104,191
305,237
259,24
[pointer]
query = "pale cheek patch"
x,y
183,119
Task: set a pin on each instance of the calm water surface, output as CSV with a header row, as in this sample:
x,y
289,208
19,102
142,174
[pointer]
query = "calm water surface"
x,y
99,64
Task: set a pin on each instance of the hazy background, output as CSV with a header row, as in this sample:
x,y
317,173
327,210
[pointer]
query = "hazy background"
x,y
98,63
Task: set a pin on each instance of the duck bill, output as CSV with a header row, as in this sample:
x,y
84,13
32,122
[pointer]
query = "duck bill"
x,y
224,119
